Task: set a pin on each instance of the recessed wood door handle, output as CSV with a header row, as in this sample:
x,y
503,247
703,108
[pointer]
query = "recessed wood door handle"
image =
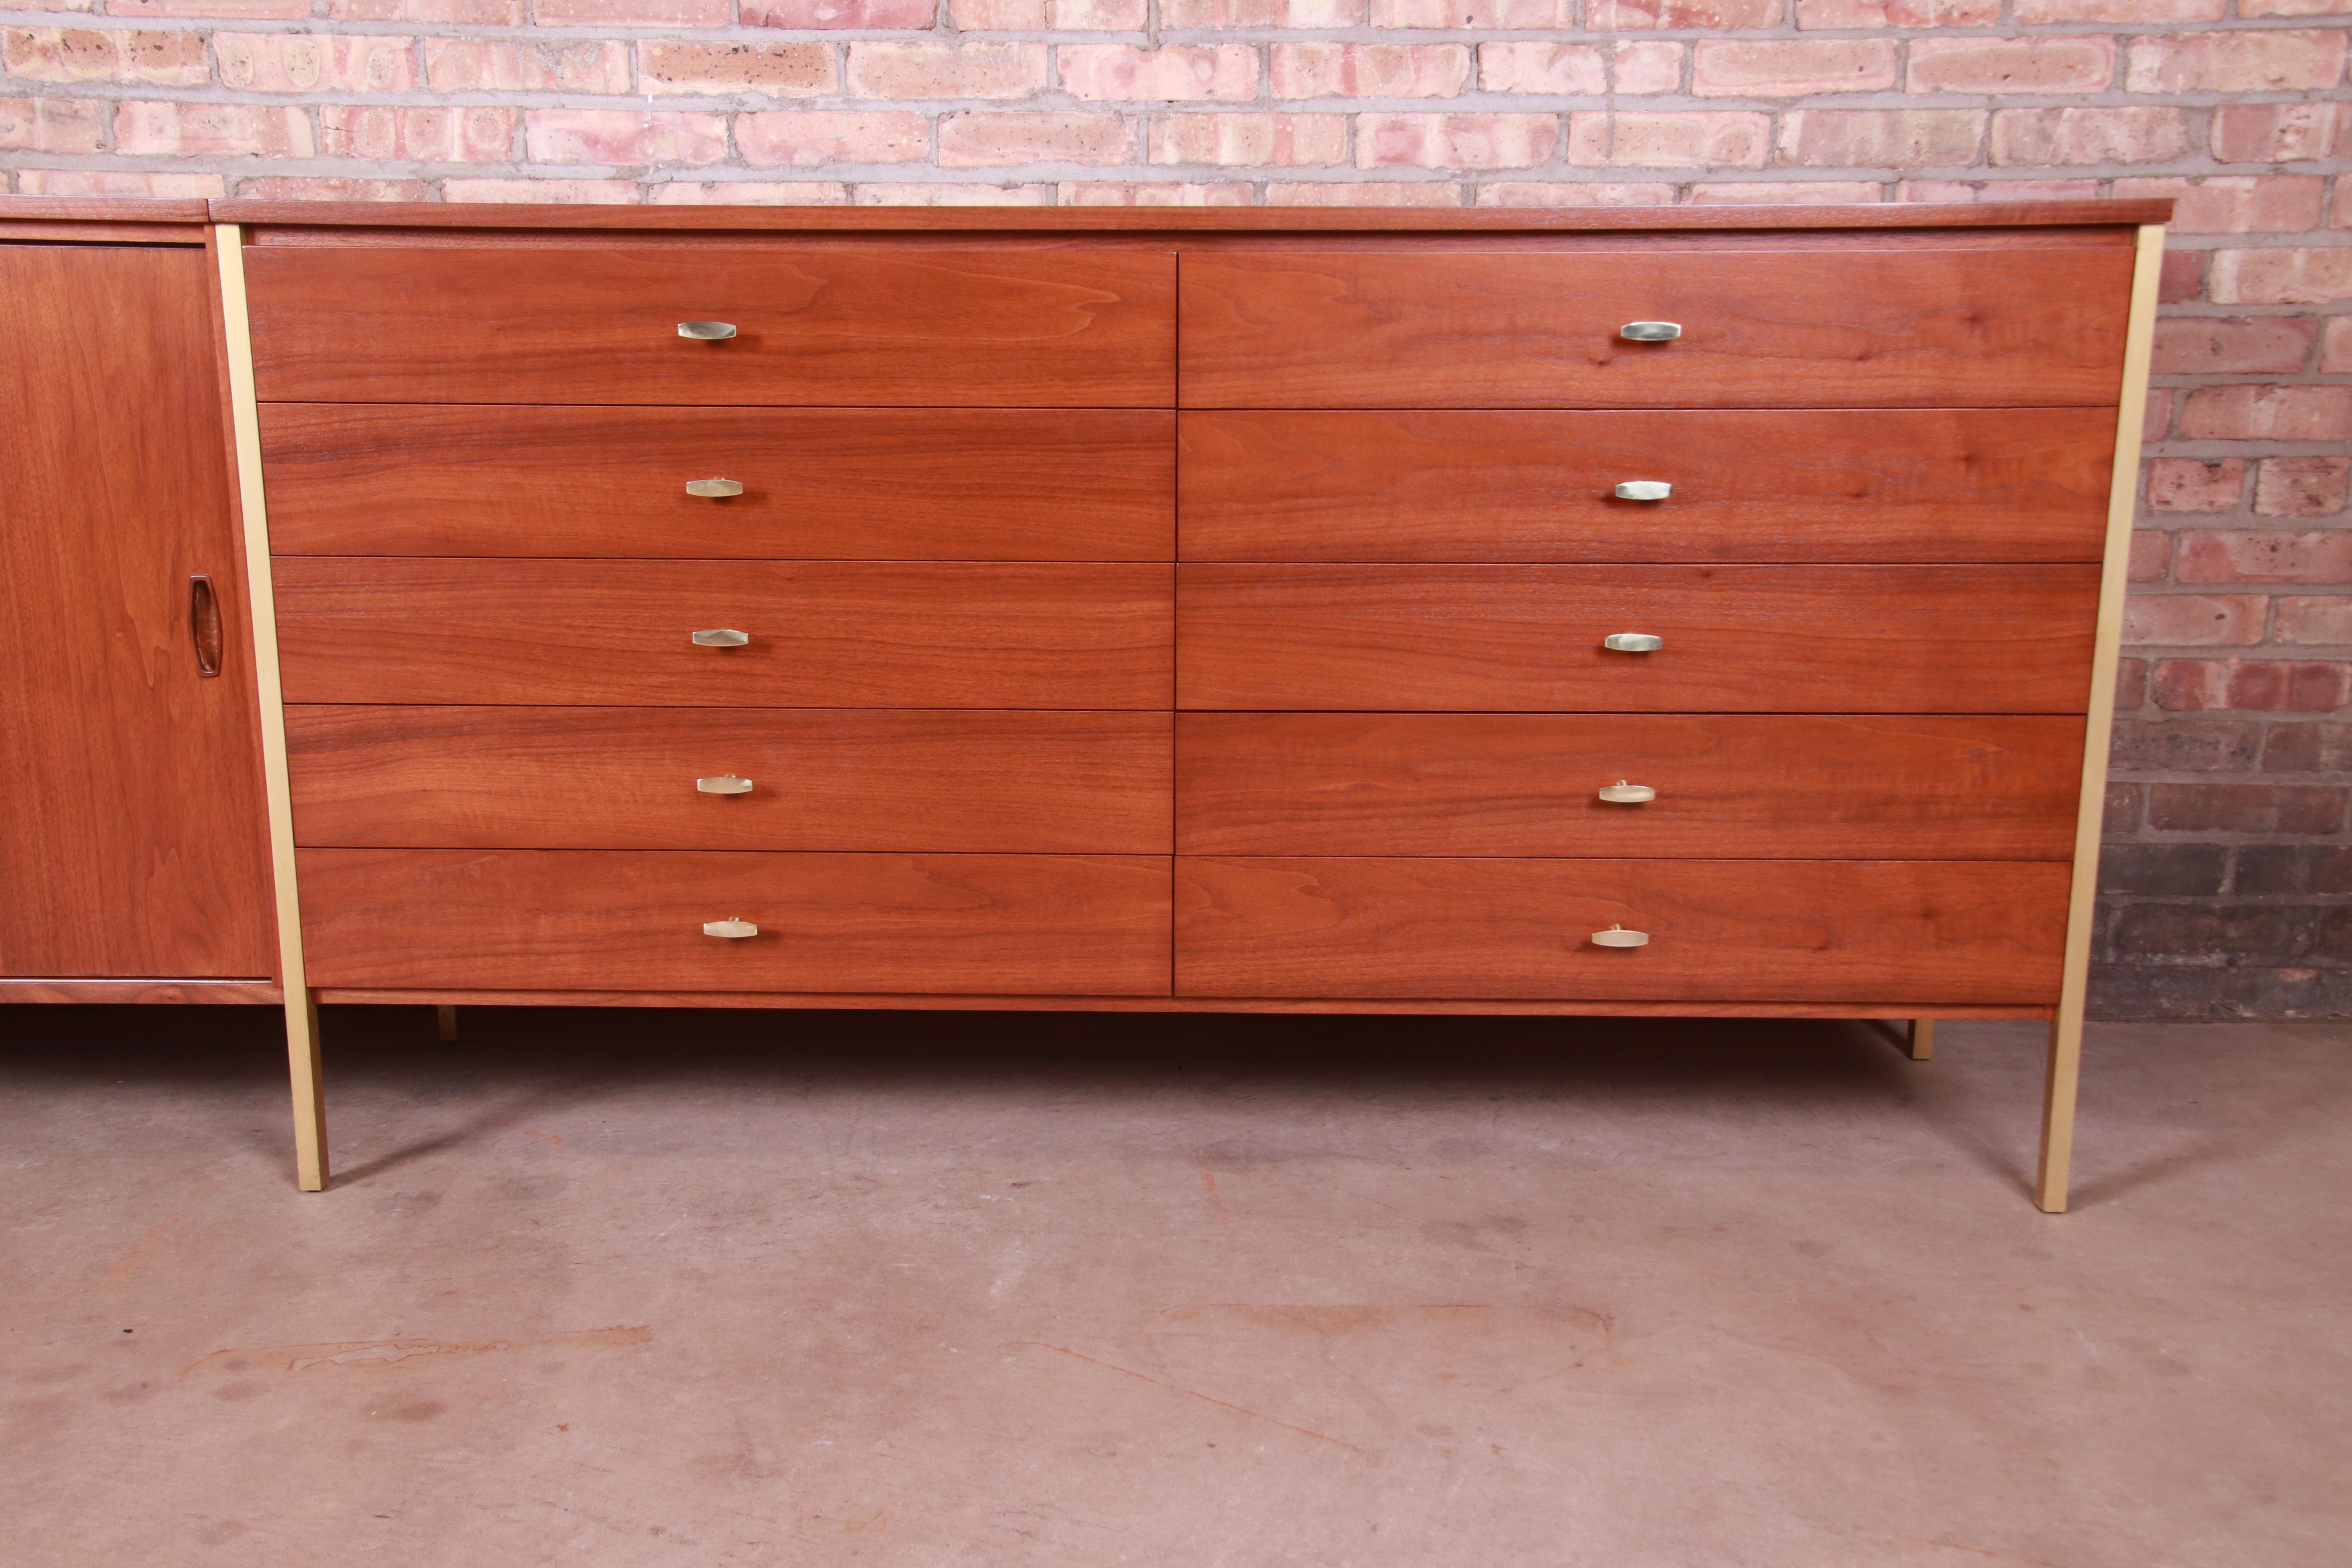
x,y
205,624
722,636
1650,331
1632,642
1618,936
715,487
707,331
733,929
1624,793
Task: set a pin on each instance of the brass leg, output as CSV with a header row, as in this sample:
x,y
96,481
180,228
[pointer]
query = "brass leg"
x,y
447,1021
310,1092
2058,1107
1922,1040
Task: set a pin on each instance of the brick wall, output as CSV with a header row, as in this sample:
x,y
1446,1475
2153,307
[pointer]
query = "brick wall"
x,y
2230,879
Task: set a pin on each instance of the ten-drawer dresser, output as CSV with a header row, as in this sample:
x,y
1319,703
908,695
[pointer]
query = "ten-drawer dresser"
x,y
1700,611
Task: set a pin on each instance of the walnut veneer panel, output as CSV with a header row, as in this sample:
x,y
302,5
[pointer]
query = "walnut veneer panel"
x,y
1763,931
824,633
602,920
843,326
1905,325
838,483
1837,639
1783,786
1862,485
623,778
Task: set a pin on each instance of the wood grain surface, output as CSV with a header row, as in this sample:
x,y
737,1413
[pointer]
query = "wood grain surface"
x,y
132,839
824,633
935,326
1758,786
142,993
558,919
1721,930
2029,325
623,778
861,484
1846,485
1788,639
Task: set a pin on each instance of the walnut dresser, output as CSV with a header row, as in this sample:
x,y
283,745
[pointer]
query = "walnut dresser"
x,y
1703,611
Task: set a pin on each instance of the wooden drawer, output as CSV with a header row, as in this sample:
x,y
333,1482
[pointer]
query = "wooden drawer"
x,y
847,325
824,633
2031,321
614,920
860,484
1721,930
1863,485
1790,639
1779,786
624,778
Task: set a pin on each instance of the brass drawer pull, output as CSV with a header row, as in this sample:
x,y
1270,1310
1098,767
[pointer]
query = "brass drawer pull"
x,y
725,784
1633,489
1623,794
735,486
735,930
725,637
706,331
1615,936
1633,331
1617,642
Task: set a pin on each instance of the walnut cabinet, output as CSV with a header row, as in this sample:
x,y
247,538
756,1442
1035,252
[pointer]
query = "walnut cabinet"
x,y
1701,611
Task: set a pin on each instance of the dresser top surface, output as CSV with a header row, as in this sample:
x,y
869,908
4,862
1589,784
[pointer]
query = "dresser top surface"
x,y
1102,220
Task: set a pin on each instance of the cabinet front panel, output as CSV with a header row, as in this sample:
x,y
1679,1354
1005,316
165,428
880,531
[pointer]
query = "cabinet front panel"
x,y
1907,326
1868,485
607,920
1777,786
858,484
131,828
910,326
715,778
1719,931
1834,639
822,634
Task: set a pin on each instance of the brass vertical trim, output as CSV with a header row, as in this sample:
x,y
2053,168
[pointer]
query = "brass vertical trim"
x,y
2066,1058
301,1011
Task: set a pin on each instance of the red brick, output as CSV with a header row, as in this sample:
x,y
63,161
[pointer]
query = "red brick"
x,y
1790,67
815,139
1905,13
748,192
607,192
2316,620
2151,555
304,188
947,194
199,130
716,70
2249,61
2254,556
1994,66
1768,192
2191,685
1509,15
2306,486
310,62
2181,276
243,10
812,14
1454,141
1565,69
2253,8
975,141
2194,484
1178,73
2290,686
465,13
2257,413
2088,136
2155,419
2231,346
2005,190
1054,16
1368,71
1575,194
2286,275
1365,193
2194,620
474,64
2236,204
2245,808
1262,12
1644,65
84,54
78,125
2124,805
2335,348
926,69
631,13
2039,13
115,182
1718,140
425,135
2275,132
2340,214
1167,193
1633,15
1235,140
622,136
2176,745
1880,138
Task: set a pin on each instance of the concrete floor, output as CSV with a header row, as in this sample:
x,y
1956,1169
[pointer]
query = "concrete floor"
x,y
636,1288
